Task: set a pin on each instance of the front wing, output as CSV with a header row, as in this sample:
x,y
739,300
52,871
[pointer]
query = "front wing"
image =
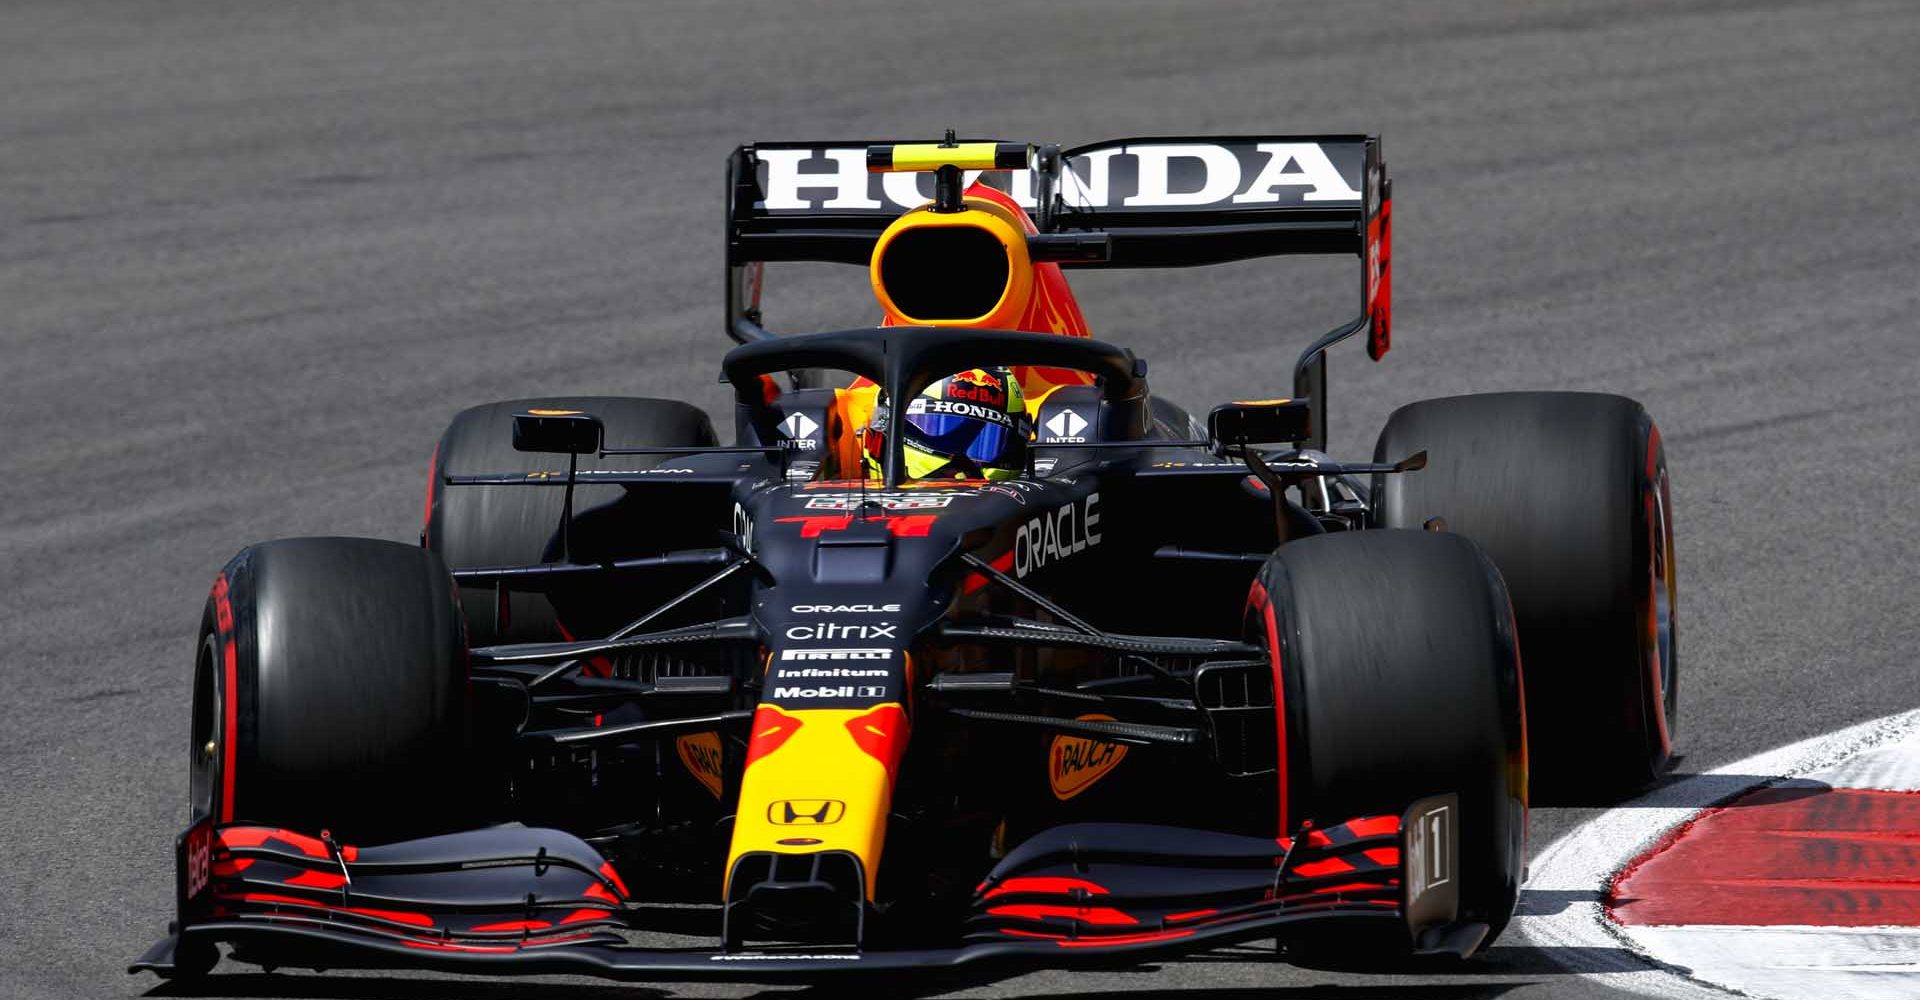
x,y
515,900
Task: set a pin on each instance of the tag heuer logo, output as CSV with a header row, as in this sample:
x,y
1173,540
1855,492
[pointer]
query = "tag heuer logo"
x,y
1066,425
806,812
799,426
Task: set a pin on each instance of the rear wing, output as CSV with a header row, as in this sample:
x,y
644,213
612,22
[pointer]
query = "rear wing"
x,y
1144,202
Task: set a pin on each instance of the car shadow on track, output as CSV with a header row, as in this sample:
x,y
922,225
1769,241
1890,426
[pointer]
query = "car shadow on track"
x,y
1316,991
1697,791
1492,974
323,986
333,987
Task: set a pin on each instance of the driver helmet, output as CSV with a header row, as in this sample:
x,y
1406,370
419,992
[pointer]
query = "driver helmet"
x,y
969,425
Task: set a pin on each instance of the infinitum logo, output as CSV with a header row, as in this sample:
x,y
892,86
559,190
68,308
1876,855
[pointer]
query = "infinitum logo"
x,y
822,673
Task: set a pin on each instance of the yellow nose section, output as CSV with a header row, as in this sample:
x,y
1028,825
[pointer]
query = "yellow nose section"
x,y
819,780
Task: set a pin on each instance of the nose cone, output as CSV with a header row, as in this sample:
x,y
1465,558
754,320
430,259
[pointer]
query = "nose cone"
x,y
818,781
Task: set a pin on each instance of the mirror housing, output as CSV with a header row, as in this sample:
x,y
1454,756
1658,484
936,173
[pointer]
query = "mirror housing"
x,y
560,432
1264,421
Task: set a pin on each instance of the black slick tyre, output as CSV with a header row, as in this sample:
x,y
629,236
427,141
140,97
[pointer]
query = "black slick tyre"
x,y
1567,493
1398,679
330,691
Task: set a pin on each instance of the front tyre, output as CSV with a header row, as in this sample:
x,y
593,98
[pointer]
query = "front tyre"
x,y
1398,678
330,691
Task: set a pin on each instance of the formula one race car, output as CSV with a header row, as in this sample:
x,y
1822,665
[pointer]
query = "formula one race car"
x,y
969,652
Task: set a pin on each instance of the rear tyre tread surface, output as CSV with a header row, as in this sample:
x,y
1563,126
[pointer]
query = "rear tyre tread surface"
x,y
1567,493
473,526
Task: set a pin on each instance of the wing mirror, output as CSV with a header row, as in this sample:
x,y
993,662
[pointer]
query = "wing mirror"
x,y
1265,421
560,432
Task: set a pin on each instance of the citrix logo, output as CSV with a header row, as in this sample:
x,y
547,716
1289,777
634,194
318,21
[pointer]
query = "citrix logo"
x,y
839,630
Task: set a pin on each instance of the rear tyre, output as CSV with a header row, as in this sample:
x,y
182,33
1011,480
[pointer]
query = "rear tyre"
x,y
471,526
1567,493
330,691
1398,678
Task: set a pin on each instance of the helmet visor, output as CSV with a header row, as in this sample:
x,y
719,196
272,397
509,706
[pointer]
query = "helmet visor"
x,y
947,434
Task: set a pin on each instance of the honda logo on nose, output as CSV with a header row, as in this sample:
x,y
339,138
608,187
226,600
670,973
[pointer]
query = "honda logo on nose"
x,y
806,812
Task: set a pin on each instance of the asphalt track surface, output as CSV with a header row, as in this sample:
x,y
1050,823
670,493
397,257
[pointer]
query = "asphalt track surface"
x,y
253,257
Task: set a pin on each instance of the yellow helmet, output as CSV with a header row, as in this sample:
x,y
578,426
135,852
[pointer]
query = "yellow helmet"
x,y
969,425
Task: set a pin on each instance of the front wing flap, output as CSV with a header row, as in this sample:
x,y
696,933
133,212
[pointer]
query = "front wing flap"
x,y
522,901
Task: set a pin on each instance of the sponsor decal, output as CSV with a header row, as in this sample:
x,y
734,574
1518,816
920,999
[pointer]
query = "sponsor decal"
x,y
700,753
743,527
555,413
1019,495
844,609
806,812
977,387
838,630
886,501
868,691
1128,176
655,471
836,654
922,404
972,394
976,376
799,841
1074,763
199,850
799,430
1055,535
785,673
1066,426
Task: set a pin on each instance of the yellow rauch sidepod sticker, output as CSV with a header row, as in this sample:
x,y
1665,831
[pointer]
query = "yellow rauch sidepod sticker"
x,y
1074,763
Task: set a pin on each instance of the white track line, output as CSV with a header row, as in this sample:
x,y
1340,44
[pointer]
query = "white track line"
x,y
1561,911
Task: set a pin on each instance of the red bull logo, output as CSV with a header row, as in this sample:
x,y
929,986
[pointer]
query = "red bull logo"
x,y
976,386
975,376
